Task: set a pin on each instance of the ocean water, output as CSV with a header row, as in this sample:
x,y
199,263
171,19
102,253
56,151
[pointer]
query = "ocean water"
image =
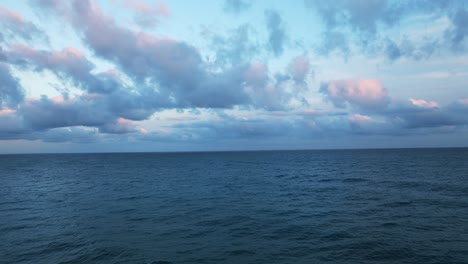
x,y
350,206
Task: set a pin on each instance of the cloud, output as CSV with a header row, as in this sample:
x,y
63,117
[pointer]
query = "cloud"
x,y
333,41
431,119
234,48
45,113
11,92
152,73
276,32
299,68
175,67
68,62
363,93
88,110
366,26
14,25
278,93
146,15
359,119
79,135
424,103
120,126
236,6
363,16
408,49
416,114
164,74
10,124
459,30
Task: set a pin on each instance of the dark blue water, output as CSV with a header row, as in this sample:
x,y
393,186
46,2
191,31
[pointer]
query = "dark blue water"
x,y
367,206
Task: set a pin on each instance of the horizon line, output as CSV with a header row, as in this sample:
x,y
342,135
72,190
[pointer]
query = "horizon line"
x,y
229,151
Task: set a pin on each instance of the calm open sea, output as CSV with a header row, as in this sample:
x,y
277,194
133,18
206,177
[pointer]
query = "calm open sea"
x,y
349,206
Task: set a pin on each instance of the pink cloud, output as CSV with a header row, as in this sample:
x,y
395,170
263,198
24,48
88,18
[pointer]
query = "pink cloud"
x,y
256,74
423,103
299,68
11,15
120,126
6,111
364,93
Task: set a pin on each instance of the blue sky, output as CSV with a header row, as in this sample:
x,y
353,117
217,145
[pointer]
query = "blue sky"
x,y
146,75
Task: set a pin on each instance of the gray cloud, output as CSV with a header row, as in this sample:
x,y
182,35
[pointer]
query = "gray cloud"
x,y
46,113
11,93
334,41
66,63
364,16
276,32
166,73
410,116
235,48
457,34
174,67
14,25
362,24
35,117
66,134
406,48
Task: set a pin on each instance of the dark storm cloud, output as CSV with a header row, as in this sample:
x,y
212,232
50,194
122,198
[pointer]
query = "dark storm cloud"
x,y
276,32
236,6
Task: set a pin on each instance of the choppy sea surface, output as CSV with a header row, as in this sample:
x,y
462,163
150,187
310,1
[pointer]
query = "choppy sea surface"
x,y
348,206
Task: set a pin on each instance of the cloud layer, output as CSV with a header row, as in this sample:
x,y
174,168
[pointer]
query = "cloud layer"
x,y
119,81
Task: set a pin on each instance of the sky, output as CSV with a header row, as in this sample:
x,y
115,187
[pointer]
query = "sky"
x,y
177,75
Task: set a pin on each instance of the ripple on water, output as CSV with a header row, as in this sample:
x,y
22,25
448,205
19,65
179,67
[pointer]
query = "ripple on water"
x,y
388,206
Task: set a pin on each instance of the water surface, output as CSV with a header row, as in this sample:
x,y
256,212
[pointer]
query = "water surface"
x,y
353,206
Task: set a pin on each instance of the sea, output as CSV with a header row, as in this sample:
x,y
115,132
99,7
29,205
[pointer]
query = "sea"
x,y
317,206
